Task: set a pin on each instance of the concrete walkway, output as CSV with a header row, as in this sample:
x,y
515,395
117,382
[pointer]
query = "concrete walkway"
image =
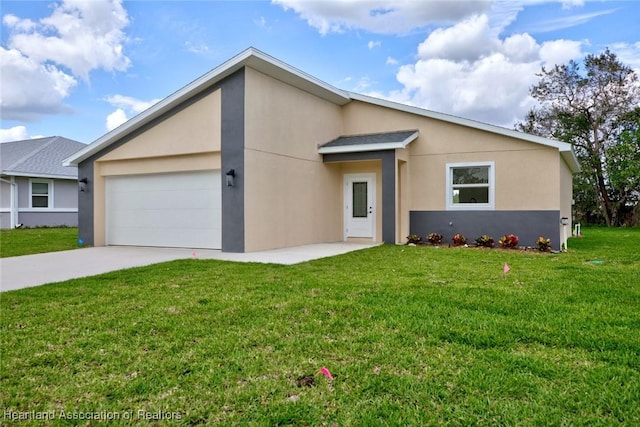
x,y
34,270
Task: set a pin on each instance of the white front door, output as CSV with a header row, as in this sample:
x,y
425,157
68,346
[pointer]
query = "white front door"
x,y
359,205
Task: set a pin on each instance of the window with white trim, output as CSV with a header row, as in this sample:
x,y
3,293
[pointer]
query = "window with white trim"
x,y
41,194
470,186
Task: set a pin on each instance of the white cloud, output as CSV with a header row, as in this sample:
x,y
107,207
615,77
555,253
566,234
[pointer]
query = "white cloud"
x,y
468,40
16,133
467,70
628,54
115,119
568,4
373,44
560,51
566,22
44,58
31,89
391,61
198,49
381,17
20,24
262,23
126,106
133,105
80,35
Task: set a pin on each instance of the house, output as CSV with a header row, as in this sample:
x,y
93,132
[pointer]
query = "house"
x,y
35,188
256,155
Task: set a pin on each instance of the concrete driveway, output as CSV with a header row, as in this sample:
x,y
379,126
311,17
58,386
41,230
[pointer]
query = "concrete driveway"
x,y
34,270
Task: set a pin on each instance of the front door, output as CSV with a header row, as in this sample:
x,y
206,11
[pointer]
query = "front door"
x,y
359,205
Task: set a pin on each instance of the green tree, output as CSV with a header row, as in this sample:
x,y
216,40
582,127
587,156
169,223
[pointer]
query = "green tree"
x,y
598,111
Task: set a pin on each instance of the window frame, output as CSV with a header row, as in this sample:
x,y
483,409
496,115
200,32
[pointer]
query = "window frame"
x,y
470,206
49,194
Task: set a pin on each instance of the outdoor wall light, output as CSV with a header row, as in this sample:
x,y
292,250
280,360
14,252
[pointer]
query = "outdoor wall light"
x,y
83,184
230,176
564,220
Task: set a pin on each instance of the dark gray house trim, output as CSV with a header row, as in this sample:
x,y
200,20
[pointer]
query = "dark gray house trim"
x,y
527,225
233,158
388,158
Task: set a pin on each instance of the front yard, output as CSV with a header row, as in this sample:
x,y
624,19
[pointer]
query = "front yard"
x,y
411,335
27,241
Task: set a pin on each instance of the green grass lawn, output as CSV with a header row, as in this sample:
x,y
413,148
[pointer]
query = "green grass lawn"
x,y
412,336
26,241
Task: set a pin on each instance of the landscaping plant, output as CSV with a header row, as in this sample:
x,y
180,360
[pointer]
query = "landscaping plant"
x,y
485,240
413,239
459,239
435,238
509,241
543,244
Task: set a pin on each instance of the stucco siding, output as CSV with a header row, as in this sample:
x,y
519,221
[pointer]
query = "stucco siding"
x,y
195,129
527,225
527,174
289,202
291,198
284,120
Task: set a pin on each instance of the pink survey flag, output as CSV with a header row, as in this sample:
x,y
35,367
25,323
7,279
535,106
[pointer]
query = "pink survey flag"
x,y
324,371
506,268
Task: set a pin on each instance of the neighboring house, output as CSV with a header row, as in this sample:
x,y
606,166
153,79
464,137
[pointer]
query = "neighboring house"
x,y
256,155
35,188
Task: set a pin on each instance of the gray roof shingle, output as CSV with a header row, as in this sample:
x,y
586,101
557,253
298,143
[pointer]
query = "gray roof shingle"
x,y
374,138
39,157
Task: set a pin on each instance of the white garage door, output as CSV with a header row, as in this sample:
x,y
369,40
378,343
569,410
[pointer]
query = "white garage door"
x,y
171,209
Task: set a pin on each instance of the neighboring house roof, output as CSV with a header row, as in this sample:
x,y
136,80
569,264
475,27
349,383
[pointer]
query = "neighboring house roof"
x,y
369,142
41,157
279,70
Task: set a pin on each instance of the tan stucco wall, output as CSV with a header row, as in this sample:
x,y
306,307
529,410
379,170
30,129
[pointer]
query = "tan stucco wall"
x,y
441,142
291,198
186,141
403,189
195,129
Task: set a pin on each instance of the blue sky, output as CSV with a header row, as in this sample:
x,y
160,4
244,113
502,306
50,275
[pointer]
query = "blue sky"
x,y
79,68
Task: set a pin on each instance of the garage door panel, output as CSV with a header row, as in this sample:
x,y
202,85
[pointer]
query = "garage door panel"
x,y
173,210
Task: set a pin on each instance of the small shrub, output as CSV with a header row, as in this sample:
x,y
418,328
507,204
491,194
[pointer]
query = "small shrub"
x,y
508,241
459,239
543,245
413,239
435,238
485,240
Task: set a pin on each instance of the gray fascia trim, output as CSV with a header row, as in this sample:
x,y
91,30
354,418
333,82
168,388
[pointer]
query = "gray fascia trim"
x,y
47,176
369,147
563,147
250,57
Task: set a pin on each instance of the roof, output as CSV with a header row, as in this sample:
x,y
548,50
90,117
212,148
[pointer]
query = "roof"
x,y
279,70
41,157
369,142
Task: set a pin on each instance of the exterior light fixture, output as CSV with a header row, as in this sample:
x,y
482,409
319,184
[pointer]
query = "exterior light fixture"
x,y
82,184
230,176
564,220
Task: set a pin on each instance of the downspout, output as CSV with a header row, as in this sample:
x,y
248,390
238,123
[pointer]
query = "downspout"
x,y
14,203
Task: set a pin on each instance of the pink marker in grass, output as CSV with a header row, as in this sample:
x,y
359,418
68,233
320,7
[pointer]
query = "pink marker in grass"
x,y
324,371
